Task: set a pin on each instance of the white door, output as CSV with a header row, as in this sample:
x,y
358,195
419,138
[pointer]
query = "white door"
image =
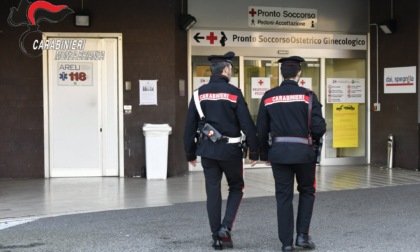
x,y
83,110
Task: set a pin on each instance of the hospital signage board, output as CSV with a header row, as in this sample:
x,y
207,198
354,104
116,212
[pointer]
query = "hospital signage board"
x,y
305,82
282,18
345,90
75,74
259,86
400,80
222,38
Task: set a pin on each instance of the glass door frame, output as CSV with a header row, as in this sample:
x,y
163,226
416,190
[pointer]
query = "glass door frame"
x,y
359,160
362,160
322,56
242,59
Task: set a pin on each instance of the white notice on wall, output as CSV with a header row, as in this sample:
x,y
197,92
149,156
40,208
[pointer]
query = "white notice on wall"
x,y
400,80
345,90
259,86
199,81
306,83
148,92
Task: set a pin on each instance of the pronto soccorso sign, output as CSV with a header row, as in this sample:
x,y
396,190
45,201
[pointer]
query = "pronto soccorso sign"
x,y
282,18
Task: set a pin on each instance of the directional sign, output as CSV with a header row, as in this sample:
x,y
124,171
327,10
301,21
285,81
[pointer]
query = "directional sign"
x,y
282,18
197,37
221,38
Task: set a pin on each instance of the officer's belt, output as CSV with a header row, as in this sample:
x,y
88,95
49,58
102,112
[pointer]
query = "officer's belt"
x,y
300,140
232,140
229,140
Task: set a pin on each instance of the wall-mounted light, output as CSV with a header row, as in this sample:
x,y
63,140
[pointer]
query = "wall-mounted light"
x,y
82,20
389,26
187,21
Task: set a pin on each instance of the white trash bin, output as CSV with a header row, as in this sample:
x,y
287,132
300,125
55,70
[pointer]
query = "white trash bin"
x,y
156,150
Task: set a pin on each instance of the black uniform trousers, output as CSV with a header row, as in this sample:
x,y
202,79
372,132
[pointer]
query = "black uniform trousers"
x,y
284,184
213,172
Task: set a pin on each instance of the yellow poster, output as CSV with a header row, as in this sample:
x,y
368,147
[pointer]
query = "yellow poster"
x,y
345,125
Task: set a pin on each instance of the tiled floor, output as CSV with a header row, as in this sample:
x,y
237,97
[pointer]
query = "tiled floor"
x,y
33,198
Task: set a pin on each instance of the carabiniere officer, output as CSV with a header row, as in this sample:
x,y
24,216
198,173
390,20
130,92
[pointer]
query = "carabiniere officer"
x,y
292,116
225,109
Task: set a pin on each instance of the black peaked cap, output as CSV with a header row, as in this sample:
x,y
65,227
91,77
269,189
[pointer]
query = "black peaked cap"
x,y
222,58
291,61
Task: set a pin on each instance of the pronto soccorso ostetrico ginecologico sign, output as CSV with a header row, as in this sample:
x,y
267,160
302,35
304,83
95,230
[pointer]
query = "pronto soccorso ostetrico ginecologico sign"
x,y
277,39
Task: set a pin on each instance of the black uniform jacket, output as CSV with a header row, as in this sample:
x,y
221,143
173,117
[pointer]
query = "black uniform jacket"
x,y
283,112
225,109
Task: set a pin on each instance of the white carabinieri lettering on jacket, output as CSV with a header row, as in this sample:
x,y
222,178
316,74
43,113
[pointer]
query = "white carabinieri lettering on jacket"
x,y
286,99
218,96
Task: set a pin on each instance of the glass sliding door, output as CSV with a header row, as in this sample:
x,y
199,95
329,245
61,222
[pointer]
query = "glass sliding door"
x,y
201,71
261,75
339,83
345,112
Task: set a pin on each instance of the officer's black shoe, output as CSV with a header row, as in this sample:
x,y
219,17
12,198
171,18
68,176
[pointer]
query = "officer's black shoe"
x,y
287,248
217,243
226,237
304,241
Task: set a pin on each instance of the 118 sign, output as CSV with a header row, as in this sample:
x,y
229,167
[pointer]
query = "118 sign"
x,y
78,76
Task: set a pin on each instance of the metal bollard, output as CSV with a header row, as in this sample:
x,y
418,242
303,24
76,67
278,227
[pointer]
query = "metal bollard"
x,y
390,151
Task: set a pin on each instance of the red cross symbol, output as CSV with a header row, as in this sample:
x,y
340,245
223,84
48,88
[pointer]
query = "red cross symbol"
x,y
302,82
212,38
252,12
261,82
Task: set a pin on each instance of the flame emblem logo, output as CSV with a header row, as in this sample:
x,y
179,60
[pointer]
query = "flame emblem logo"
x,y
30,14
